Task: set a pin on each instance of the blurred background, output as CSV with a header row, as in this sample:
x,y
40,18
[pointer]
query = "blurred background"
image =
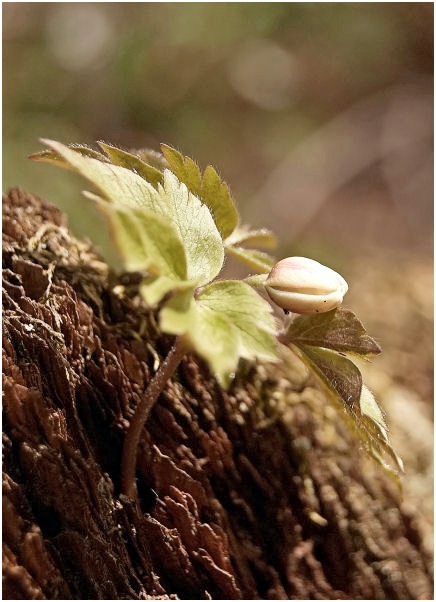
x,y
318,115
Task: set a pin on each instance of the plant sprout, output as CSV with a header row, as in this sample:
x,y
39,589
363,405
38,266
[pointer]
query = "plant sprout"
x,y
175,224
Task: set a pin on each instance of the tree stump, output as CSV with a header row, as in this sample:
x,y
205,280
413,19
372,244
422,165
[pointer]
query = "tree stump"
x,y
260,492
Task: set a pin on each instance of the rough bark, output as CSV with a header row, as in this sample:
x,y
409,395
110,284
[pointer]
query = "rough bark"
x,y
257,493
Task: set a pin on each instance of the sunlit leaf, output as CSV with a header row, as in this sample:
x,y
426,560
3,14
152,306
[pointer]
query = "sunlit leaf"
x,y
52,156
146,240
226,321
209,187
256,260
343,381
196,227
376,425
339,373
178,314
338,329
248,312
116,184
125,159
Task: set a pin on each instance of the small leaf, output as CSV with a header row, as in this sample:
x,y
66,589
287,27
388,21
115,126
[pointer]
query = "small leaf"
x,y
146,240
178,314
248,312
227,321
252,238
116,184
375,424
210,188
130,161
341,376
52,156
196,227
344,382
370,408
256,260
338,329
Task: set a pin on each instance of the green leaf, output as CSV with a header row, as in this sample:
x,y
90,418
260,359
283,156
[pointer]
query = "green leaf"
x,y
344,383
338,329
146,240
341,376
52,156
203,245
116,184
252,238
227,321
248,312
209,187
376,425
123,158
256,260
178,314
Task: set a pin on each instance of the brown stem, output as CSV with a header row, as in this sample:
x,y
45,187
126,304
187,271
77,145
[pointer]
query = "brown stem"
x,y
142,412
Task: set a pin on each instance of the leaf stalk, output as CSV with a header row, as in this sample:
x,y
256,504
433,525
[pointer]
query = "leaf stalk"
x,y
142,412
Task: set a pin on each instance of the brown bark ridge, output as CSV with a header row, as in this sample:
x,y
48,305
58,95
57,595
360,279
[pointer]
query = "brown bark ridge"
x,y
255,493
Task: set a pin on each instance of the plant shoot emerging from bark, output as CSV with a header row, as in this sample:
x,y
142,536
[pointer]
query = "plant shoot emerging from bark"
x,y
174,224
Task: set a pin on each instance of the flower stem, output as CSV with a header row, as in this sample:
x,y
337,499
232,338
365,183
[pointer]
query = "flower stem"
x,y
142,412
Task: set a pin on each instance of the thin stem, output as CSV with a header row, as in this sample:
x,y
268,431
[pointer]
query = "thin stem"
x,y
142,412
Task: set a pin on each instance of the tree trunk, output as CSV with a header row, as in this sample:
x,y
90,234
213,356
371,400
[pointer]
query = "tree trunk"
x,y
256,493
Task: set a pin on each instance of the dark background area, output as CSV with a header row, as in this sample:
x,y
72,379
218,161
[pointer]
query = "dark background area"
x,y
318,115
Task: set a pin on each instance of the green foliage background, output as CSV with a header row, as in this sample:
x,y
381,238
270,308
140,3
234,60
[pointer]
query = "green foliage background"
x,y
237,85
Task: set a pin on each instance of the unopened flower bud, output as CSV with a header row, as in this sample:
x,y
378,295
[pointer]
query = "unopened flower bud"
x,y
304,286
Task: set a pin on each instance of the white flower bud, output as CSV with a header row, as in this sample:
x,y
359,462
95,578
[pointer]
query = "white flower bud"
x,y
304,286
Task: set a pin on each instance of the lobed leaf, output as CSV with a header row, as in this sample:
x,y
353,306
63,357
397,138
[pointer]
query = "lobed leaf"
x,y
338,373
190,218
248,312
196,228
339,329
123,158
53,156
209,187
116,184
344,383
146,240
227,321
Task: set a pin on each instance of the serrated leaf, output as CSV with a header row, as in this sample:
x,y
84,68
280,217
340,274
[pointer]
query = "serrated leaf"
x,y
256,260
344,381
226,321
116,184
202,242
248,312
339,373
370,408
52,156
339,329
243,236
375,423
130,161
146,240
190,217
209,187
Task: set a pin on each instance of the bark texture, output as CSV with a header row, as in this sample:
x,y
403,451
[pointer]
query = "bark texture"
x,y
258,493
